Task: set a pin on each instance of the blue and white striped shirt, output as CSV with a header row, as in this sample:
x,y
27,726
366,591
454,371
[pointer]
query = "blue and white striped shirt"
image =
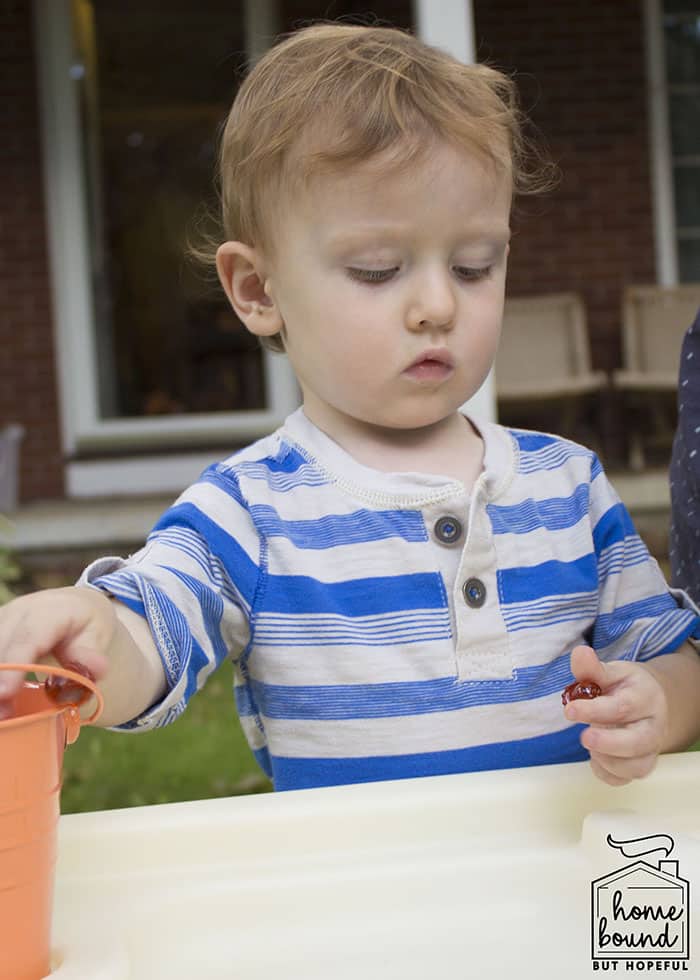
x,y
357,655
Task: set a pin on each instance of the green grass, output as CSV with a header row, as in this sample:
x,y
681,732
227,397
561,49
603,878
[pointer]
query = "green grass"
x,y
202,755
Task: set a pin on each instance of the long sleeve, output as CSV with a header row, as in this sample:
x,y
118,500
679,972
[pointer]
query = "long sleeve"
x,y
684,548
639,617
194,582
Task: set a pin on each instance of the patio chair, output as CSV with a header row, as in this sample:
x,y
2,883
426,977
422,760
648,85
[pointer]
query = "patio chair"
x,y
654,321
544,361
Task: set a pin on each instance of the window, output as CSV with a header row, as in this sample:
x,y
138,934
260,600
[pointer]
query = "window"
x,y
168,343
133,93
681,27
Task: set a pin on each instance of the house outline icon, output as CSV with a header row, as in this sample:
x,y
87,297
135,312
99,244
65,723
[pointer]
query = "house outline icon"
x,y
642,876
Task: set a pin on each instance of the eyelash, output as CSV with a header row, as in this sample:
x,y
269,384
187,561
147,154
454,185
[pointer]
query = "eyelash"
x,y
372,275
378,276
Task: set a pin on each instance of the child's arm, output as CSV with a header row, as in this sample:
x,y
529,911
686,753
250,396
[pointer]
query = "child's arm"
x,y
645,709
81,625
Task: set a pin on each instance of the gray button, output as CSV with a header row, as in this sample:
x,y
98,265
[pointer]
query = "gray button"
x,y
448,530
474,592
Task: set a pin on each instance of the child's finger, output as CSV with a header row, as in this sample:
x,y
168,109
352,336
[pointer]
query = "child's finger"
x,y
27,637
639,739
606,776
75,652
585,666
625,769
16,646
619,707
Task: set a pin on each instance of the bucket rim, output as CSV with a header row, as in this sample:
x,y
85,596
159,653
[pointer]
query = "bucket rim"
x,y
36,716
54,670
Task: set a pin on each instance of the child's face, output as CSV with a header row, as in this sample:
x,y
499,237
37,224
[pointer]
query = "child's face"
x,y
390,287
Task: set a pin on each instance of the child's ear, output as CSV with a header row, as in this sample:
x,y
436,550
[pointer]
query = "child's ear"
x,y
240,270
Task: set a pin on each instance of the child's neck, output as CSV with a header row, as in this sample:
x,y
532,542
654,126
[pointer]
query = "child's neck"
x,y
450,447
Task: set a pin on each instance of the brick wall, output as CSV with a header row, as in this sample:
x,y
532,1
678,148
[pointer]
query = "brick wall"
x,y
582,75
27,382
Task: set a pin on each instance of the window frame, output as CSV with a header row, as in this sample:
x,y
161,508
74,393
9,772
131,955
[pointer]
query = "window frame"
x,y
684,232
667,230
83,430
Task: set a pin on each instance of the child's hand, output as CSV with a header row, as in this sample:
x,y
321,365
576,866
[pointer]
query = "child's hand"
x,y
628,721
71,625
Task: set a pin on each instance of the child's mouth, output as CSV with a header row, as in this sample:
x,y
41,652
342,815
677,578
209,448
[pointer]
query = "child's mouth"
x,y
431,367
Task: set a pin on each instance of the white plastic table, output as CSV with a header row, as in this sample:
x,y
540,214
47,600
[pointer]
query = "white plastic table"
x,y
477,875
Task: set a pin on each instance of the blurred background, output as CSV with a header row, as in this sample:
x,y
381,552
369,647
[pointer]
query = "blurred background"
x,y
124,373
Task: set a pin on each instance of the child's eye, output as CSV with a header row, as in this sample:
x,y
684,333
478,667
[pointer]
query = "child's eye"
x,y
372,275
471,275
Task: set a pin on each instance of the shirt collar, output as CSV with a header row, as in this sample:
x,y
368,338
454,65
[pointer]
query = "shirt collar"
x,y
407,488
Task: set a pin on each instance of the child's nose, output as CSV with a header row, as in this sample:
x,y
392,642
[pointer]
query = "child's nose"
x,y
434,305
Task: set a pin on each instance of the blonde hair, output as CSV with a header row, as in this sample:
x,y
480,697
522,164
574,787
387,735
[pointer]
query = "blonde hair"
x,y
333,95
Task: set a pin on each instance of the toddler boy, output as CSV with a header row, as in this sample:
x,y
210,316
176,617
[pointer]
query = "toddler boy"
x,y
402,591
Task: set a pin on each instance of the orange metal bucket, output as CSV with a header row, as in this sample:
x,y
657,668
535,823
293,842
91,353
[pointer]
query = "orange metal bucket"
x,y
32,740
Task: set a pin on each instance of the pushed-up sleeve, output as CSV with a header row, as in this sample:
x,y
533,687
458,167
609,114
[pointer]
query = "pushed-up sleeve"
x,y
194,583
639,615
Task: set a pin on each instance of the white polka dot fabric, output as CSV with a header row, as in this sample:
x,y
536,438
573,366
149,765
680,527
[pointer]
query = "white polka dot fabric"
x,y
684,545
